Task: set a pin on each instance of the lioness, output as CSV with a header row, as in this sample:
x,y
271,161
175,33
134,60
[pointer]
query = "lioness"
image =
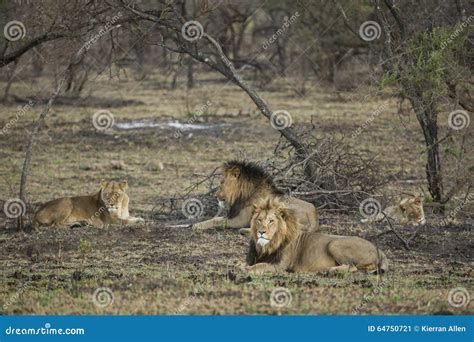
x,y
242,185
408,211
278,245
109,205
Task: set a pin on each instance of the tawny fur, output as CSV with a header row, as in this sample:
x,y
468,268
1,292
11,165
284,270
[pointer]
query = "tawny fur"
x,y
277,245
408,211
109,205
245,183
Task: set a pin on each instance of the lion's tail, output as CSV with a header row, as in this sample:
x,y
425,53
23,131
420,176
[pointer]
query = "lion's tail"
x,y
383,262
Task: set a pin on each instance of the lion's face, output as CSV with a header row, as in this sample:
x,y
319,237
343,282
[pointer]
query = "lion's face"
x,y
228,189
413,209
112,194
269,226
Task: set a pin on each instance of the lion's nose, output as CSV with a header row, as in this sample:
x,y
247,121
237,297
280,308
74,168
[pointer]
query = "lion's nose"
x,y
261,231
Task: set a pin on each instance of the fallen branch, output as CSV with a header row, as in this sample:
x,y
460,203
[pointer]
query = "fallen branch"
x,y
397,234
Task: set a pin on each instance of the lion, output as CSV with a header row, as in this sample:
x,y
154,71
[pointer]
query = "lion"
x,y
242,185
109,205
408,211
277,245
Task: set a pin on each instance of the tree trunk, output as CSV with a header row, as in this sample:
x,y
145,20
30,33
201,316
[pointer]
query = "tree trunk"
x,y
11,74
427,117
433,165
190,72
29,148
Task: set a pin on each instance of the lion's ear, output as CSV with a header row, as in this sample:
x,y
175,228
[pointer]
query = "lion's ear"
x,y
123,184
402,204
418,200
282,212
235,172
255,209
103,183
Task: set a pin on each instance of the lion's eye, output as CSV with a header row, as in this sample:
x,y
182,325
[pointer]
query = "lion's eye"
x,y
259,221
270,222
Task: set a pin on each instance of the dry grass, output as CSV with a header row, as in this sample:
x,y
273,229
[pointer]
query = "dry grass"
x,y
157,269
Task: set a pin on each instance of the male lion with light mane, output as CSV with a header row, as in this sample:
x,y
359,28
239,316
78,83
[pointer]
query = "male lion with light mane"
x,y
278,245
242,185
408,211
108,205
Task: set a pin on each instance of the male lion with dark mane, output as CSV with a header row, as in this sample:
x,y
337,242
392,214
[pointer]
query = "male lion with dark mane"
x,y
108,205
278,245
243,184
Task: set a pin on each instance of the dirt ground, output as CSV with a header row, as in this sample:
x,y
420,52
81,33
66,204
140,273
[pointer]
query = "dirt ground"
x,y
154,268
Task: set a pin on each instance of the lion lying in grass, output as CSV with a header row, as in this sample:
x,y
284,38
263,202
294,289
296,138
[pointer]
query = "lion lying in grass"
x,y
408,211
278,245
242,185
108,205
